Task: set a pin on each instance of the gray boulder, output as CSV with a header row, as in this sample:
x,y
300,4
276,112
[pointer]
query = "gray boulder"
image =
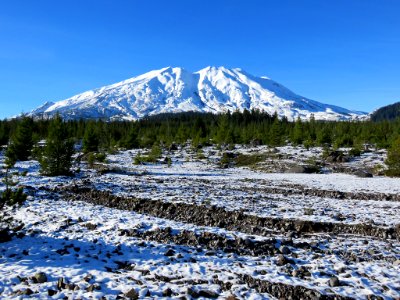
x,y
362,174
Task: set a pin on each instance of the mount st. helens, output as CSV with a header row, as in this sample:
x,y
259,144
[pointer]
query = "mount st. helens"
x,y
212,89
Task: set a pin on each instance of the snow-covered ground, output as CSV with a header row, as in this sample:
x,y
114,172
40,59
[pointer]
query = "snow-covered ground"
x,y
89,246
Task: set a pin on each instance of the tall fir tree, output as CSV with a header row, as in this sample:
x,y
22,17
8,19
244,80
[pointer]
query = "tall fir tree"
x,y
57,154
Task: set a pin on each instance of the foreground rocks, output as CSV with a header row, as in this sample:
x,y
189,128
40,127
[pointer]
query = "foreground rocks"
x,y
219,217
5,236
283,291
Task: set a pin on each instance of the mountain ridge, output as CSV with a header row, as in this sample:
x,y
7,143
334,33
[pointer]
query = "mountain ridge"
x,y
174,89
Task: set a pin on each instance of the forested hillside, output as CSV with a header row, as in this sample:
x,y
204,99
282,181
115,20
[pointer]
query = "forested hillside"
x,y
389,112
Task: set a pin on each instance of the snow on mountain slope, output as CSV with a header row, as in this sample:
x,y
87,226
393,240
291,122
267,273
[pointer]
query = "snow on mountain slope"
x,y
212,89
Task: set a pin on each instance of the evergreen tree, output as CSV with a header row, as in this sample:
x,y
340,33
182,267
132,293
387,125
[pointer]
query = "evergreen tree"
x,y
57,154
276,132
131,141
298,132
91,140
3,134
312,128
223,129
324,136
181,134
21,142
11,195
199,128
393,159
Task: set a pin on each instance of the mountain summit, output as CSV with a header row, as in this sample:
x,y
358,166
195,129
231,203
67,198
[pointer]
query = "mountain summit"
x,y
212,89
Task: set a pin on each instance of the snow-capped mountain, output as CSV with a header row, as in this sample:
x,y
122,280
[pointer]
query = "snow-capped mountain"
x,y
212,89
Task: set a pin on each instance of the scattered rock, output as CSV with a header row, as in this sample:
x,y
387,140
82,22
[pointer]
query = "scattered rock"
x,y
132,294
70,286
63,251
167,292
362,174
88,277
40,277
4,235
282,260
169,252
51,292
284,250
303,169
90,226
337,156
295,273
27,292
61,284
309,211
191,292
93,287
208,294
202,293
334,281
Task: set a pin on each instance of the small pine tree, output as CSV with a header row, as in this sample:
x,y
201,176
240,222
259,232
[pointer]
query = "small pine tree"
x,y
169,161
155,152
11,196
393,159
308,143
57,154
21,142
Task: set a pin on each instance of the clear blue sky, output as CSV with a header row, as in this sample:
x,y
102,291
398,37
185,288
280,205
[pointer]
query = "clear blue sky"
x,y
343,52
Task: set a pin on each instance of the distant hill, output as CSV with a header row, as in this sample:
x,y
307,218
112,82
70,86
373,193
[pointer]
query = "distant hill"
x,y
388,112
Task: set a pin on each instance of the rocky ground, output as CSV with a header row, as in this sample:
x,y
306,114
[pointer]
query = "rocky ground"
x,y
206,228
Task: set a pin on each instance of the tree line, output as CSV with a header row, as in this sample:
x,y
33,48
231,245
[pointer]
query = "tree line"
x,y
248,127
203,128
